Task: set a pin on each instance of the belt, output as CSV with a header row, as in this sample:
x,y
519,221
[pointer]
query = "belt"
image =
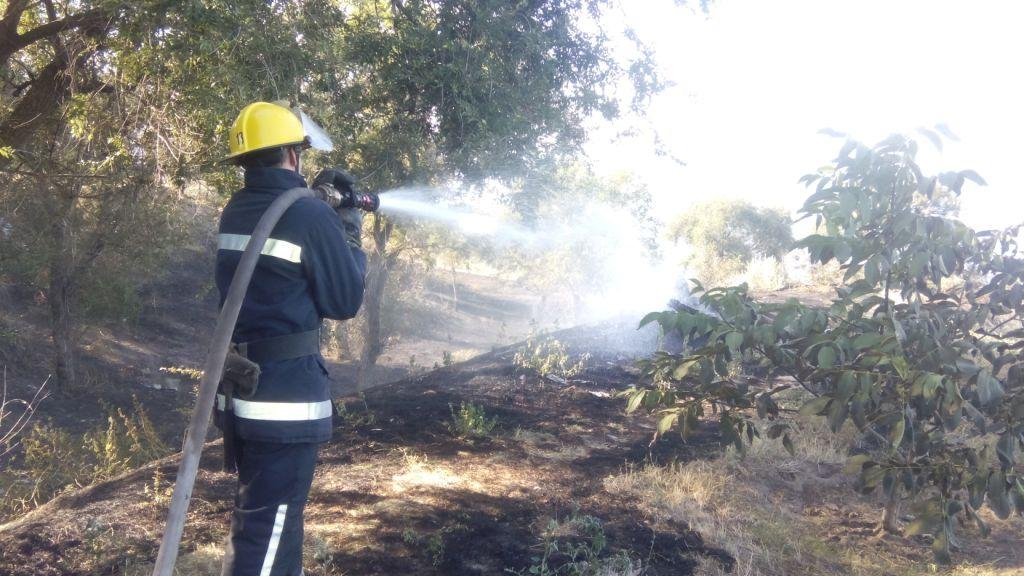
x,y
281,347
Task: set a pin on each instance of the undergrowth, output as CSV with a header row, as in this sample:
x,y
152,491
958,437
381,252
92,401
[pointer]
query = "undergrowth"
x,y
470,421
54,461
548,357
578,546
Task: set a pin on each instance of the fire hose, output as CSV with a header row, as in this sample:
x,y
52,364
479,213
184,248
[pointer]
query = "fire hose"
x,y
213,368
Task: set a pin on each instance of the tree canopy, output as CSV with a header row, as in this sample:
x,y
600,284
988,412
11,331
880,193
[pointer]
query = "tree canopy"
x,y
111,109
725,235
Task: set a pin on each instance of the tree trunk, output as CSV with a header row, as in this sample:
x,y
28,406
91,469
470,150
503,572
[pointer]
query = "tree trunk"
x,y
890,523
577,306
455,291
61,283
376,281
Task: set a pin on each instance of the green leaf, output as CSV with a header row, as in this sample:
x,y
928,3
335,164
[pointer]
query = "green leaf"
x,y
900,364
734,340
683,369
635,400
826,357
1006,449
787,443
965,366
871,476
896,433
998,498
837,413
815,407
867,340
651,317
667,422
856,463
990,390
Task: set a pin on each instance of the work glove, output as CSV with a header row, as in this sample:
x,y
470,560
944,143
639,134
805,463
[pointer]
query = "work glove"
x,y
329,194
352,222
333,185
341,180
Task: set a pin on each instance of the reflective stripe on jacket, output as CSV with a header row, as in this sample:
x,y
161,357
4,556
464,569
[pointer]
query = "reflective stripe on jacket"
x,y
306,272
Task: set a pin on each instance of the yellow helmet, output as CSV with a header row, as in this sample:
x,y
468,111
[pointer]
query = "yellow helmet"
x,y
262,125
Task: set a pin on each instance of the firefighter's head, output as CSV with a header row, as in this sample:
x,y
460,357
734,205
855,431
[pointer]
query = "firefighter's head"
x,y
269,135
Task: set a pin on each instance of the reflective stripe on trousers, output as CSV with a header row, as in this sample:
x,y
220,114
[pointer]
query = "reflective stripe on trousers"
x,y
267,523
277,411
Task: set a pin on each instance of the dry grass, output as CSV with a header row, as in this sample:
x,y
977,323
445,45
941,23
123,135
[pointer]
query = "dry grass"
x,y
777,515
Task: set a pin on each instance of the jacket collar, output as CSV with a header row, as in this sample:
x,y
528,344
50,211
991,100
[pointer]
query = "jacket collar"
x,y
275,179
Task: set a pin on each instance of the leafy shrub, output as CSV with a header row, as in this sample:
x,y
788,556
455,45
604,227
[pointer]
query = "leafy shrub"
x,y
126,443
545,355
470,421
914,357
578,546
54,461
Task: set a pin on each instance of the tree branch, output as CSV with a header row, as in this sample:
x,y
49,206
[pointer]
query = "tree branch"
x,y
12,42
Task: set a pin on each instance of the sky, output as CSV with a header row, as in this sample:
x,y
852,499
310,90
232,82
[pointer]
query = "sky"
x,y
755,80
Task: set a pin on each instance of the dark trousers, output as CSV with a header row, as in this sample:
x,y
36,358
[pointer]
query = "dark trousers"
x,y
266,526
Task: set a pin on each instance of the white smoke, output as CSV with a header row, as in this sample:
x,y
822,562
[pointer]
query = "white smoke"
x,y
629,280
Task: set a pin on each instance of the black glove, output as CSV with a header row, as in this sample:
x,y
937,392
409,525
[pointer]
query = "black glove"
x,y
336,177
352,221
328,193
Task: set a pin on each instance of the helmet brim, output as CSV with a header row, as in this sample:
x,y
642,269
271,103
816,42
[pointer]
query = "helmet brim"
x,y
233,158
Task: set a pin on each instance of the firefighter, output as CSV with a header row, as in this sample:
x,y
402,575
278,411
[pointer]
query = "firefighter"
x,y
311,268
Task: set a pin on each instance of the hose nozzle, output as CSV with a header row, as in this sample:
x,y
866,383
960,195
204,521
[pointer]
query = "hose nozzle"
x,y
365,201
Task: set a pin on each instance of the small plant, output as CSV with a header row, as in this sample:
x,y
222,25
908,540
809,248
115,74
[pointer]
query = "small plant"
x,y
578,546
126,443
323,556
354,418
470,421
54,461
548,356
158,490
432,545
446,358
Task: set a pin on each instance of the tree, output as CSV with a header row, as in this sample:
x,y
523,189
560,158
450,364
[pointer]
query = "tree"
x,y
589,230
725,235
914,357
107,110
465,90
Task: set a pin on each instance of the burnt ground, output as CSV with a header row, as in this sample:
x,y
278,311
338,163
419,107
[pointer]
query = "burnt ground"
x,y
396,492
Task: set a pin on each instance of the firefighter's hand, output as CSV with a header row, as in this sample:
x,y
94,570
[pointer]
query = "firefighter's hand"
x,y
352,221
328,193
336,177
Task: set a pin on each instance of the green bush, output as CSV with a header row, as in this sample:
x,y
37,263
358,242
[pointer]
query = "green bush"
x,y
578,546
919,349
127,442
548,356
470,422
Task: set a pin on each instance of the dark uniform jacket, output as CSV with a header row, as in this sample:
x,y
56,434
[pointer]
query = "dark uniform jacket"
x,y
306,272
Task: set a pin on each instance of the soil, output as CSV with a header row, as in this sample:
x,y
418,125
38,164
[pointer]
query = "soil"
x,y
397,492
